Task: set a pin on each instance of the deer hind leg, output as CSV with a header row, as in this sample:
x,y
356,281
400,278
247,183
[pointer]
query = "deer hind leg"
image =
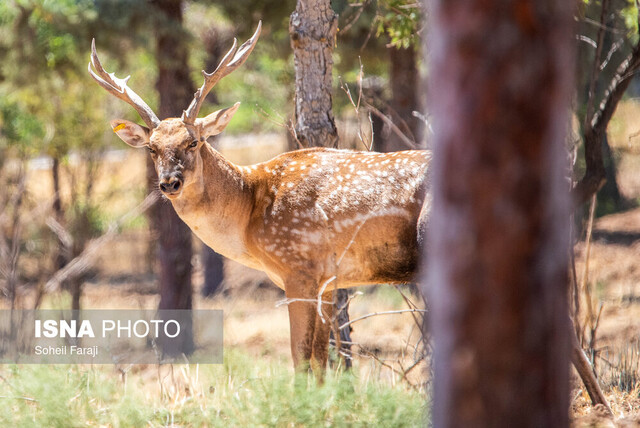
x,y
320,353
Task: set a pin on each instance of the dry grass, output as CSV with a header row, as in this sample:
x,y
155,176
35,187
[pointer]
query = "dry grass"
x,y
614,274
256,327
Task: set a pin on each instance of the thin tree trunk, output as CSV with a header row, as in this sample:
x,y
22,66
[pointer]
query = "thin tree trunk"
x,y
610,190
60,256
213,262
497,272
213,272
174,237
312,28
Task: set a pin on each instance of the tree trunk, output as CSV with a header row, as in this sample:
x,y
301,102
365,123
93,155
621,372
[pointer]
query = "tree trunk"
x,y
403,77
312,28
497,270
595,126
213,271
609,196
61,255
213,262
174,237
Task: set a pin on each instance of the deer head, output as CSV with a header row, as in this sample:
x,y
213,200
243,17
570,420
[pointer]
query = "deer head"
x,y
174,143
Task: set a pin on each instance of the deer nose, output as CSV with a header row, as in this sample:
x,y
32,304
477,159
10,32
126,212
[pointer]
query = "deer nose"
x,y
171,185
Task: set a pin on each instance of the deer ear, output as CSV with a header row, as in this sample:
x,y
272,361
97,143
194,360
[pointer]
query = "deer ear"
x,y
215,123
131,133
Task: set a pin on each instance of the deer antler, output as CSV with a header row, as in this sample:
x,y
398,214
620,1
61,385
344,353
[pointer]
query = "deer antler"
x,y
229,63
119,88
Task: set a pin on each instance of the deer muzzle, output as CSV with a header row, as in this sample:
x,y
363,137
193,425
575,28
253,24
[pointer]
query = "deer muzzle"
x,y
171,185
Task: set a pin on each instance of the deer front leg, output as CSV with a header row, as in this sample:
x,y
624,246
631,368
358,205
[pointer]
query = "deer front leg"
x,y
302,322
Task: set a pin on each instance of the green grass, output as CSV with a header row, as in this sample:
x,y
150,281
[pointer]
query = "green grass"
x,y
242,392
390,295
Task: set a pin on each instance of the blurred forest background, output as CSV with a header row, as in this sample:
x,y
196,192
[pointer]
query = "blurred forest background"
x,y
76,230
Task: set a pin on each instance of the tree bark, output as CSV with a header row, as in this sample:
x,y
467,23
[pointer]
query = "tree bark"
x,y
174,237
596,128
497,270
312,28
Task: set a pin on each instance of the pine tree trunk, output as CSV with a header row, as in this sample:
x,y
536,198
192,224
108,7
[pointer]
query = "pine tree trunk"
x,y
312,28
174,237
498,234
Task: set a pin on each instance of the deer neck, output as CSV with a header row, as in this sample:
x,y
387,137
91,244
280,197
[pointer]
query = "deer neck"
x,y
217,206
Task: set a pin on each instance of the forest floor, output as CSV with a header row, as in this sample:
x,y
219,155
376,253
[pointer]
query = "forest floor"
x,y
254,325
613,276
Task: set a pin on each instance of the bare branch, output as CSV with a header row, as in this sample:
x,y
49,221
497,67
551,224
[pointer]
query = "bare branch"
x,y
373,314
63,235
393,126
85,259
356,107
614,48
587,40
595,70
289,301
581,363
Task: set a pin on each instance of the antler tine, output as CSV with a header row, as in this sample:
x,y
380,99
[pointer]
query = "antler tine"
x,y
232,60
118,87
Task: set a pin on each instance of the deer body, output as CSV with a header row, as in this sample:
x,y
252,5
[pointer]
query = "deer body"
x,y
357,209
314,220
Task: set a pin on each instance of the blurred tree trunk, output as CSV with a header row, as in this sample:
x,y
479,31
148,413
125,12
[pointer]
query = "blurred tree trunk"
x,y
600,91
497,271
212,262
590,92
60,257
403,77
610,194
174,237
312,28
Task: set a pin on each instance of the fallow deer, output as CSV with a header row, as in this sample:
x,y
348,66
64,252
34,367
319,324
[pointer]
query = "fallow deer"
x,y
312,219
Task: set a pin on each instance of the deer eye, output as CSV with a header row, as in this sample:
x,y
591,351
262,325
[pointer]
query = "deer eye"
x,y
152,151
193,144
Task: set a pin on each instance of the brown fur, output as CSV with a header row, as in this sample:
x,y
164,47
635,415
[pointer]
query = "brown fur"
x,y
314,220
303,218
